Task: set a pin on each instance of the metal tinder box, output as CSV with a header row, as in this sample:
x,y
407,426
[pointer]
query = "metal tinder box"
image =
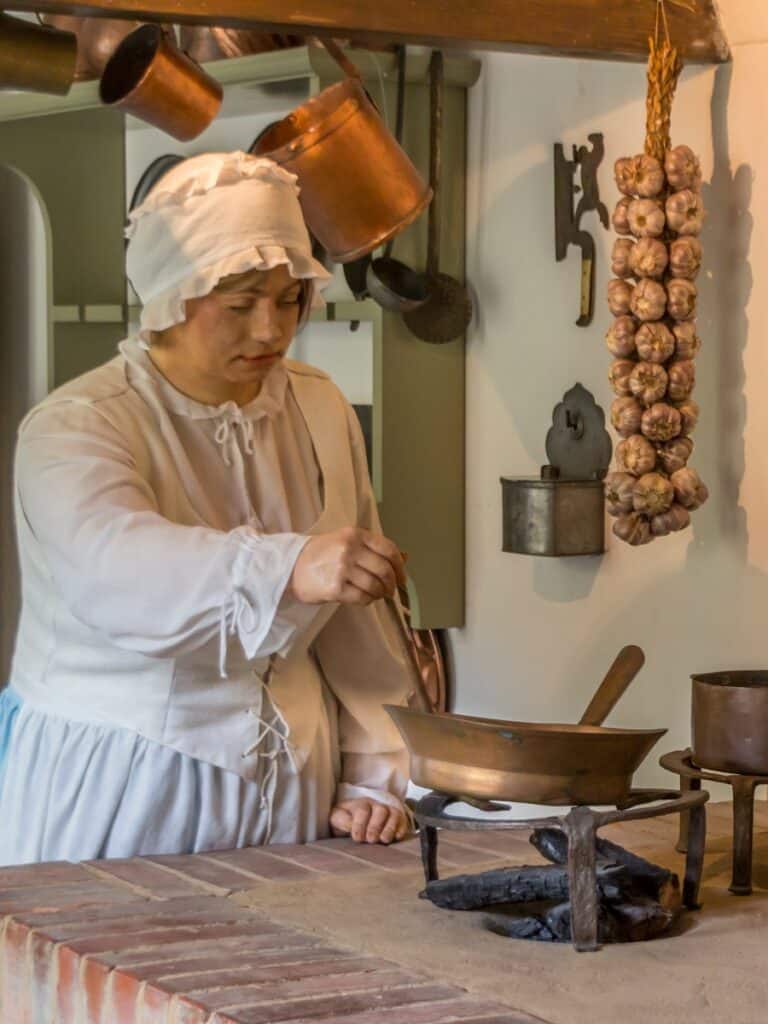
x,y
562,512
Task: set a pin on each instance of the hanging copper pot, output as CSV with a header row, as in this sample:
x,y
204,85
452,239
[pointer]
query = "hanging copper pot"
x,y
214,42
69,23
358,186
37,58
148,76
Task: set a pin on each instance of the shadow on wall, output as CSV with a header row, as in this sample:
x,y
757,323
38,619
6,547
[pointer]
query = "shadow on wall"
x,y
24,347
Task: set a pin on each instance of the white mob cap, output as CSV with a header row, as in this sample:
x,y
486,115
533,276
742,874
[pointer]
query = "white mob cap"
x,y
208,217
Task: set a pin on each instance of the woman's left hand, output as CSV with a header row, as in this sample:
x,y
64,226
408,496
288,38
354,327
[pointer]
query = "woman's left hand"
x,y
368,821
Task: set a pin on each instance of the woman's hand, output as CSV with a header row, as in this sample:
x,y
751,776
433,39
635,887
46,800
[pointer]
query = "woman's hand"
x,y
368,821
350,566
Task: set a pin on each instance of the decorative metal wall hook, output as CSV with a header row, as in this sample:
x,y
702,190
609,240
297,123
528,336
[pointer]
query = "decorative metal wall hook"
x,y
567,219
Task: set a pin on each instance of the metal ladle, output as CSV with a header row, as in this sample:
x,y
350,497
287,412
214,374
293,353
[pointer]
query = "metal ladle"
x,y
392,283
448,310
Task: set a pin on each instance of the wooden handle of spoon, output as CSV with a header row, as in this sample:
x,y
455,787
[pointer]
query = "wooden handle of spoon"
x,y
628,663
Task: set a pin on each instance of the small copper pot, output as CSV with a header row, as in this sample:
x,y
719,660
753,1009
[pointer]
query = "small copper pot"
x,y
730,721
38,58
358,186
214,42
149,77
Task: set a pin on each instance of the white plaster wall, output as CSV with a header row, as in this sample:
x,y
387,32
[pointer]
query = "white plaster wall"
x,y
539,632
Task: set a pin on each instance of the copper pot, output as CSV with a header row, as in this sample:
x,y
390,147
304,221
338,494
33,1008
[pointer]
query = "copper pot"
x,y
150,78
729,721
37,58
214,42
358,186
492,759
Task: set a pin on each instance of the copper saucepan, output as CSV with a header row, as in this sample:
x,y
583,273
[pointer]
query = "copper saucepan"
x,y
150,77
38,58
358,186
527,762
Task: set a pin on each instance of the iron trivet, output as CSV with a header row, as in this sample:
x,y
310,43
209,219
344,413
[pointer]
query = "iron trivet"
x,y
681,763
598,892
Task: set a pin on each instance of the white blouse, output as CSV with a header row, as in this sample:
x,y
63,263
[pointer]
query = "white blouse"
x,y
156,539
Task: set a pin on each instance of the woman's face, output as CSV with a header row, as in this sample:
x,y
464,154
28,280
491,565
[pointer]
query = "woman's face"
x,y
241,330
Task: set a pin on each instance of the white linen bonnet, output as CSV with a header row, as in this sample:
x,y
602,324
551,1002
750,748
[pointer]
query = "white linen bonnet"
x,y
210,216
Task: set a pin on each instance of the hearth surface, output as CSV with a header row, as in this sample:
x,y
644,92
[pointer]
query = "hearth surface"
x,y
334,932
712,970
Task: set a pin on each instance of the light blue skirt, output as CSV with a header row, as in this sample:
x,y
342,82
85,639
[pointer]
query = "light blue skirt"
x,y
82,791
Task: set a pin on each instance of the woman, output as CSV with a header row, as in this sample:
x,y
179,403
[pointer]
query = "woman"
x,y
202,655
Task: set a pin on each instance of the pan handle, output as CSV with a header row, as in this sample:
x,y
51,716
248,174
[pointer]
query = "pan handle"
x,y
334,51
435,160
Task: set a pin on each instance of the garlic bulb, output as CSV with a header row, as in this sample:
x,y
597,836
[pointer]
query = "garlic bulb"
x,y
687,341
685,212
620,338
682,168
619,295
660,423
648,382
626,415
689,415
620,265
653,494
690,492
685,257
681,298
648,258
649,175
625,175
676,518
619,374
619,493
674,454
655,342
634,529
635,455
646,218
649,300
620,216
682,377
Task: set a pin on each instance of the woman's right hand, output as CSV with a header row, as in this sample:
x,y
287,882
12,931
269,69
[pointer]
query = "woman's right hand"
x,y
349,566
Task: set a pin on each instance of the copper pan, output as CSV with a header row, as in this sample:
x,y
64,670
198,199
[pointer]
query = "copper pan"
x,y
528,762
37,58
358,186
214,42
149,77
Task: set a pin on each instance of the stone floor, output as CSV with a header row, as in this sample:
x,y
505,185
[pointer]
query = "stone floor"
x,y
333,932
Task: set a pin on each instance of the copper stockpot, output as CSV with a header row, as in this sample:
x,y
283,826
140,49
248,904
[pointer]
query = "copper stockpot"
x,y
38,58
729,721
358,186
149,77
491,759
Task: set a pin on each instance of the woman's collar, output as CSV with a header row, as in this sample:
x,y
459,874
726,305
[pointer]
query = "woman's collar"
x,y
269,401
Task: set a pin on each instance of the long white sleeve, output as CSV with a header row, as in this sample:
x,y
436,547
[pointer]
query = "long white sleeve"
x,y
360,656
151,585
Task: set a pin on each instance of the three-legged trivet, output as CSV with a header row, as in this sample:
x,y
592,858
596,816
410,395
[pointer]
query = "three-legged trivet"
x,y
580,826
743,786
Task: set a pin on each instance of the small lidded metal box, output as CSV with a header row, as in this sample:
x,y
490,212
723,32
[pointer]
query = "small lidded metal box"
x,y
563,511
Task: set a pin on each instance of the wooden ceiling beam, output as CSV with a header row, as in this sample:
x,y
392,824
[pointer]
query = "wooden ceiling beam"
x,y
605,29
